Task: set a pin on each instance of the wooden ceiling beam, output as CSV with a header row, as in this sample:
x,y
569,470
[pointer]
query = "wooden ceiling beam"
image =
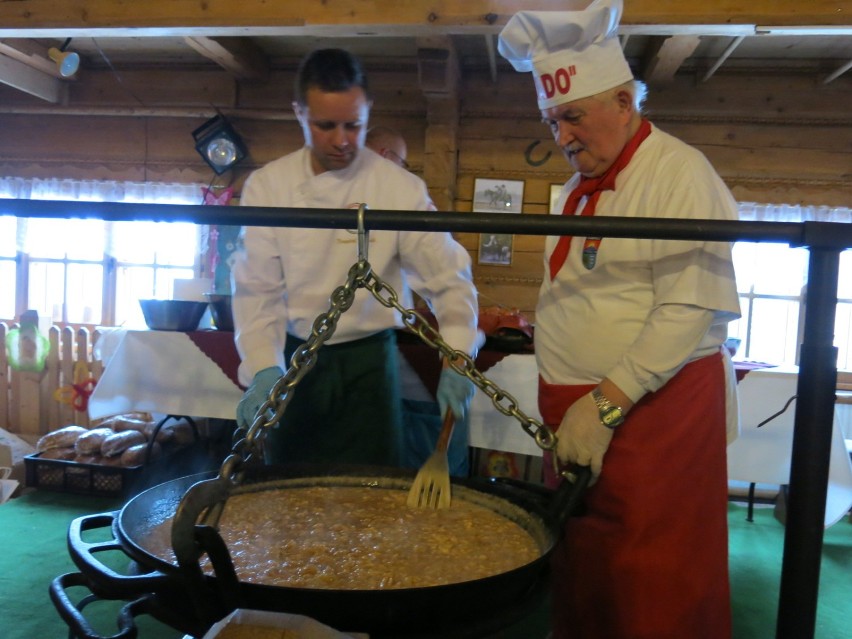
x,y
25,78
30,53
75,18
666,56
837,73
239,56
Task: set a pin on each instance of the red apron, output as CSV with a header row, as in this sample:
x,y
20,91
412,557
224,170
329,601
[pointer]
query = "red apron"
x,y
648,559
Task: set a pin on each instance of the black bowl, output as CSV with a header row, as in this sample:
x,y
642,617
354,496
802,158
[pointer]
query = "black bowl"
x,y
220,309
172,315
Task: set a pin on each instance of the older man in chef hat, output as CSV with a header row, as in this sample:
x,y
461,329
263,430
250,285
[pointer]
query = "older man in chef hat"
x,y
629,343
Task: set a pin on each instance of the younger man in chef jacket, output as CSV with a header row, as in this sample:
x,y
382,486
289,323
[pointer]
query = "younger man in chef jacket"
x,y
629,344
346,409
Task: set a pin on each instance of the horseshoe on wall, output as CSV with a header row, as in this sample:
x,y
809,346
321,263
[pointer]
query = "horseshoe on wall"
x,y
528,152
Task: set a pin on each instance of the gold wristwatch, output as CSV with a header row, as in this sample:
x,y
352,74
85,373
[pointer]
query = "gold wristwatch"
x,y
611,415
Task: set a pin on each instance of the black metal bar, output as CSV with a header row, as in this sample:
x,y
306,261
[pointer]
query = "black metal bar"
x,y
791,233
797,604
817,373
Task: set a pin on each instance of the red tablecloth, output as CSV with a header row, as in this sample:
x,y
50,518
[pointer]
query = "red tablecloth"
x,y
742,368
219,346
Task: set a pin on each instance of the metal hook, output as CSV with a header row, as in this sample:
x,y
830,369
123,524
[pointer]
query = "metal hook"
x,y
363,235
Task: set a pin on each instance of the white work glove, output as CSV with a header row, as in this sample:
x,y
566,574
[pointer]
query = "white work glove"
x,y
256,394
454,392
582,439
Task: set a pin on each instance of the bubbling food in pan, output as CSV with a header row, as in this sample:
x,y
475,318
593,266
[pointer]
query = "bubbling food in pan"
x,y
360,538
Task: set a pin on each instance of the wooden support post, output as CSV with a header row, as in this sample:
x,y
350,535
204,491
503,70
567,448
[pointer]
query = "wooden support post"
x,y
438,71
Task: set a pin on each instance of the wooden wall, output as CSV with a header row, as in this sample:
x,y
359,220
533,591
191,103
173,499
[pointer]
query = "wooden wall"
x,y
773,136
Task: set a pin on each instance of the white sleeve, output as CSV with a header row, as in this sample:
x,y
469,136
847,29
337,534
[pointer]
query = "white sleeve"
x,y
260,313
439,270
671,335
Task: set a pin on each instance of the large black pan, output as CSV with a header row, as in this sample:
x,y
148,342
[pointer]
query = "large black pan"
x,y
399,613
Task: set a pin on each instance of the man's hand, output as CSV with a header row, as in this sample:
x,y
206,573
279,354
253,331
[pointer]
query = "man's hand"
x,y
256,394
582,438
454,392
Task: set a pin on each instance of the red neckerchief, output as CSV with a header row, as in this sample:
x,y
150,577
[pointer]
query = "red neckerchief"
x,y
593,187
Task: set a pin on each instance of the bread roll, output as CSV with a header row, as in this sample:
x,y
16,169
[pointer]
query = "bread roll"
x,y
89,443
111,421
137,455
117,443
122,424
66,453
164,436
141,416
60,438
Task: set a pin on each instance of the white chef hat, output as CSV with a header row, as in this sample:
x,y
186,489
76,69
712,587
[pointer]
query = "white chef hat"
x,y
572,54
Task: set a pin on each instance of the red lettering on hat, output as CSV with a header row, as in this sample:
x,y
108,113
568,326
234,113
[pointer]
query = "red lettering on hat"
x,y
560,82
563,80
547,85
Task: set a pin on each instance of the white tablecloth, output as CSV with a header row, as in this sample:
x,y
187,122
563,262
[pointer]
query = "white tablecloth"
x,y
491,429
763,455
161,372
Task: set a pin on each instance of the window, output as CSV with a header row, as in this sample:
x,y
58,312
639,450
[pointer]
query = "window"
x,y
78,271
771,279
149,257
771,282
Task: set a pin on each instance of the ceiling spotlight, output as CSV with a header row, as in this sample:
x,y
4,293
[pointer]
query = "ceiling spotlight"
x,y
218,144
68,62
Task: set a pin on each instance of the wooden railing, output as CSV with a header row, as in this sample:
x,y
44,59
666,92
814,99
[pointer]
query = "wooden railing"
x,y
29,402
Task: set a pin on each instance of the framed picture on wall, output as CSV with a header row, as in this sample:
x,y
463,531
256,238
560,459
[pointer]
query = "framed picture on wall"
x,y
497,196
495,248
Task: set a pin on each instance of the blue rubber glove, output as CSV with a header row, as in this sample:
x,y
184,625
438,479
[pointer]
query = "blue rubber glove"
x,y
256,394
454,392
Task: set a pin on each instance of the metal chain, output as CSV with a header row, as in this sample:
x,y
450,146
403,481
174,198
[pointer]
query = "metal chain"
x,y
248,445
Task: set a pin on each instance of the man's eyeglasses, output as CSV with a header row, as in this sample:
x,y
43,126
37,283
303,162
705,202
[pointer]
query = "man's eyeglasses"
x,y
393,156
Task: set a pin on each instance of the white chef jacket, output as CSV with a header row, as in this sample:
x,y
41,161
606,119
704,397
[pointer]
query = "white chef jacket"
x,y
588,319
283,277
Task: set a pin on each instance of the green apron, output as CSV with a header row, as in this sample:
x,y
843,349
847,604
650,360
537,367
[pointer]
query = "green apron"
x,y
346,409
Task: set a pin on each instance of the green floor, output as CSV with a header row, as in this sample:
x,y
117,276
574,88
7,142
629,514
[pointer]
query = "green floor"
x,y
33,532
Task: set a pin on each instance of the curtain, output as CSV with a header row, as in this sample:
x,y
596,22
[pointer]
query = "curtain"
x,y
753,212
100,191
96,191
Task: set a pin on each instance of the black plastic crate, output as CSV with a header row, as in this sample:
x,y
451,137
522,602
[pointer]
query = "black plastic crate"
x,y
116,481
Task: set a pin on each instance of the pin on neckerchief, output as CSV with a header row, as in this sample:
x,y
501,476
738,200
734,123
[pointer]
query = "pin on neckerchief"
x,y
590,252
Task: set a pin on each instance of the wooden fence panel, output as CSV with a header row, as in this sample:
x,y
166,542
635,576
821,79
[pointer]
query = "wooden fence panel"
x,y
54,375
28,401
66,413
81,371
